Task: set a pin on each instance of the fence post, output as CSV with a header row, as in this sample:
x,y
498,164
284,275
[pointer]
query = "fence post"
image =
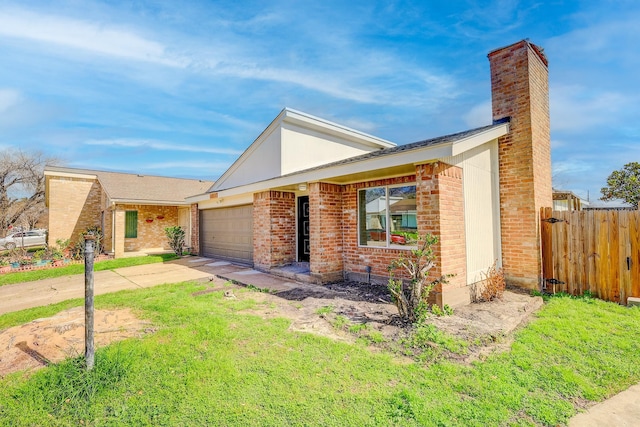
x,y
89,352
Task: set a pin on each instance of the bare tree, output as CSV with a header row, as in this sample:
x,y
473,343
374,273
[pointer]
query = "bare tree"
x,y
32,216
21,184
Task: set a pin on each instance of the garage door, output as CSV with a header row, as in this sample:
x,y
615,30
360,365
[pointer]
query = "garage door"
x,y
227,233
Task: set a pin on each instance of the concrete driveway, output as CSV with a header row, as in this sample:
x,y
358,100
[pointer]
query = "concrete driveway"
x,y
48,291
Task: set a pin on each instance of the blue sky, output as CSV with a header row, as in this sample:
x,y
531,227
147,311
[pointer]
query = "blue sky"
x,y
182,88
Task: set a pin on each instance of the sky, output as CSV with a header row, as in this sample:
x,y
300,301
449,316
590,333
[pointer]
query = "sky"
x,y
183,88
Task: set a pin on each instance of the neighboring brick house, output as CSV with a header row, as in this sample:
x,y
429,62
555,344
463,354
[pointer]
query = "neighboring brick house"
x,y
132,210
311,191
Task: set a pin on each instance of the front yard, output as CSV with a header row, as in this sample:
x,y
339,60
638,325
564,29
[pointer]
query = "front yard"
x,y
212,360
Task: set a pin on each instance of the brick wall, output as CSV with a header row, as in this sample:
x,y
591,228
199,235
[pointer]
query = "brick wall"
x,y
274,229
326,232
519,81
440,211
150,234
74,206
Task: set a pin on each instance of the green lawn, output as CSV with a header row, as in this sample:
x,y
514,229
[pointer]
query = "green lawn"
x,y
30,276
211,364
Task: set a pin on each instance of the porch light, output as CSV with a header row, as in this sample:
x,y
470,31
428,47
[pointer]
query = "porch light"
x,y
302,187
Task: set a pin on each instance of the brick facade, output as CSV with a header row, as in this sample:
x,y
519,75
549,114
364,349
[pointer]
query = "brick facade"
x,y
519,81
440,211
326,231
76,206
357,258
150,234
274,229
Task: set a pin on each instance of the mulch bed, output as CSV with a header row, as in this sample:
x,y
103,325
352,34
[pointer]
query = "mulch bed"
x,y
348,290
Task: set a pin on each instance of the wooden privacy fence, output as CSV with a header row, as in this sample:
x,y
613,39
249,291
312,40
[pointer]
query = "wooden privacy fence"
x,y
596,251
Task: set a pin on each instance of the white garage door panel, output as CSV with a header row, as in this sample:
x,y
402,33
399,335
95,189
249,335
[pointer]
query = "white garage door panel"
x,y
228,233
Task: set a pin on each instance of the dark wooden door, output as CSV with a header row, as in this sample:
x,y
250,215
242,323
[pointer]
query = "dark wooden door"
x,y
304,244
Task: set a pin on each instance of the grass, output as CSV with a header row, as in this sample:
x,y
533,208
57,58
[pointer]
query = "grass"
x,y
211,364
30,276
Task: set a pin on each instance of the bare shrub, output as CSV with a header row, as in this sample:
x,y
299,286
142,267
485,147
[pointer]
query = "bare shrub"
x,y
494,284
411,299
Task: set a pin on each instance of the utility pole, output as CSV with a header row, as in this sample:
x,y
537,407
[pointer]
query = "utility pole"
x,y
89,352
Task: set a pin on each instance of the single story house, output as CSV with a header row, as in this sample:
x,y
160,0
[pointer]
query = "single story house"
x,y
308,190
564,200
132,210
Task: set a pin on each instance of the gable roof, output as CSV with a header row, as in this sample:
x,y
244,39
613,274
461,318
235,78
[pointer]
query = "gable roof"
x,y
333,134
390,160
441,140
138,189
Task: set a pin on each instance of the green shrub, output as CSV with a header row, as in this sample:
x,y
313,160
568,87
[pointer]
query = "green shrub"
x,y
176,236
411,300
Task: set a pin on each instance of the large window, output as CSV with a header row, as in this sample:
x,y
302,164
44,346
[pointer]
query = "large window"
x,y
131,224
387,217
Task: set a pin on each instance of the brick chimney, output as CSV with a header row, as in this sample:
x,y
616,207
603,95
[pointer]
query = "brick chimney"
x,y
520,90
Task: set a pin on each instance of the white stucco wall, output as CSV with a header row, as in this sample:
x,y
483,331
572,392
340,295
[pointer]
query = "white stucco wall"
x,y
304,148
260,162
481,207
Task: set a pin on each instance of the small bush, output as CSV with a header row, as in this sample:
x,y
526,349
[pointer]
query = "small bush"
x,y
446,310
411,300
494,284
176,236
358,327
323,311
77,251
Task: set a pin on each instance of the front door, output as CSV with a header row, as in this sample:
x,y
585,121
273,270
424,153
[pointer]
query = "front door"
x,y
303,229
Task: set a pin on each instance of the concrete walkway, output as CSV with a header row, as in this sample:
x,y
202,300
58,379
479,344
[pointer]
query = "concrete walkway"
x,y
21,296
621,410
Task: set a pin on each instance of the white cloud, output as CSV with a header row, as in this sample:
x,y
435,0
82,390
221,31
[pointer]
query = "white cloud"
x,y
8,99
371,77
208,166
576,108
84,35
159,145
480,115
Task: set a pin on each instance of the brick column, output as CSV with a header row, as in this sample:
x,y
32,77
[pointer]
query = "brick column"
x,y
440,206
274,229
325,229
118,232
520,90
195,229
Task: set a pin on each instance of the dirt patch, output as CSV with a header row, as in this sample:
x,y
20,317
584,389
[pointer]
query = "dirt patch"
x,y
53,339
487,326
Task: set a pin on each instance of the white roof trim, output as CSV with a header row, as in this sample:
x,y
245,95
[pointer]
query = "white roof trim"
x,y
70,175
309,121
148,202
198,198
415,156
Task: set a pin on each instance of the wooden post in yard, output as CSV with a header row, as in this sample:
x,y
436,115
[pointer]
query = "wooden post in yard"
x,y
89,348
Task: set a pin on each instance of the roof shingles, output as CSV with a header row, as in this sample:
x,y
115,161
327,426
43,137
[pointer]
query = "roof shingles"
x,y
125,187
